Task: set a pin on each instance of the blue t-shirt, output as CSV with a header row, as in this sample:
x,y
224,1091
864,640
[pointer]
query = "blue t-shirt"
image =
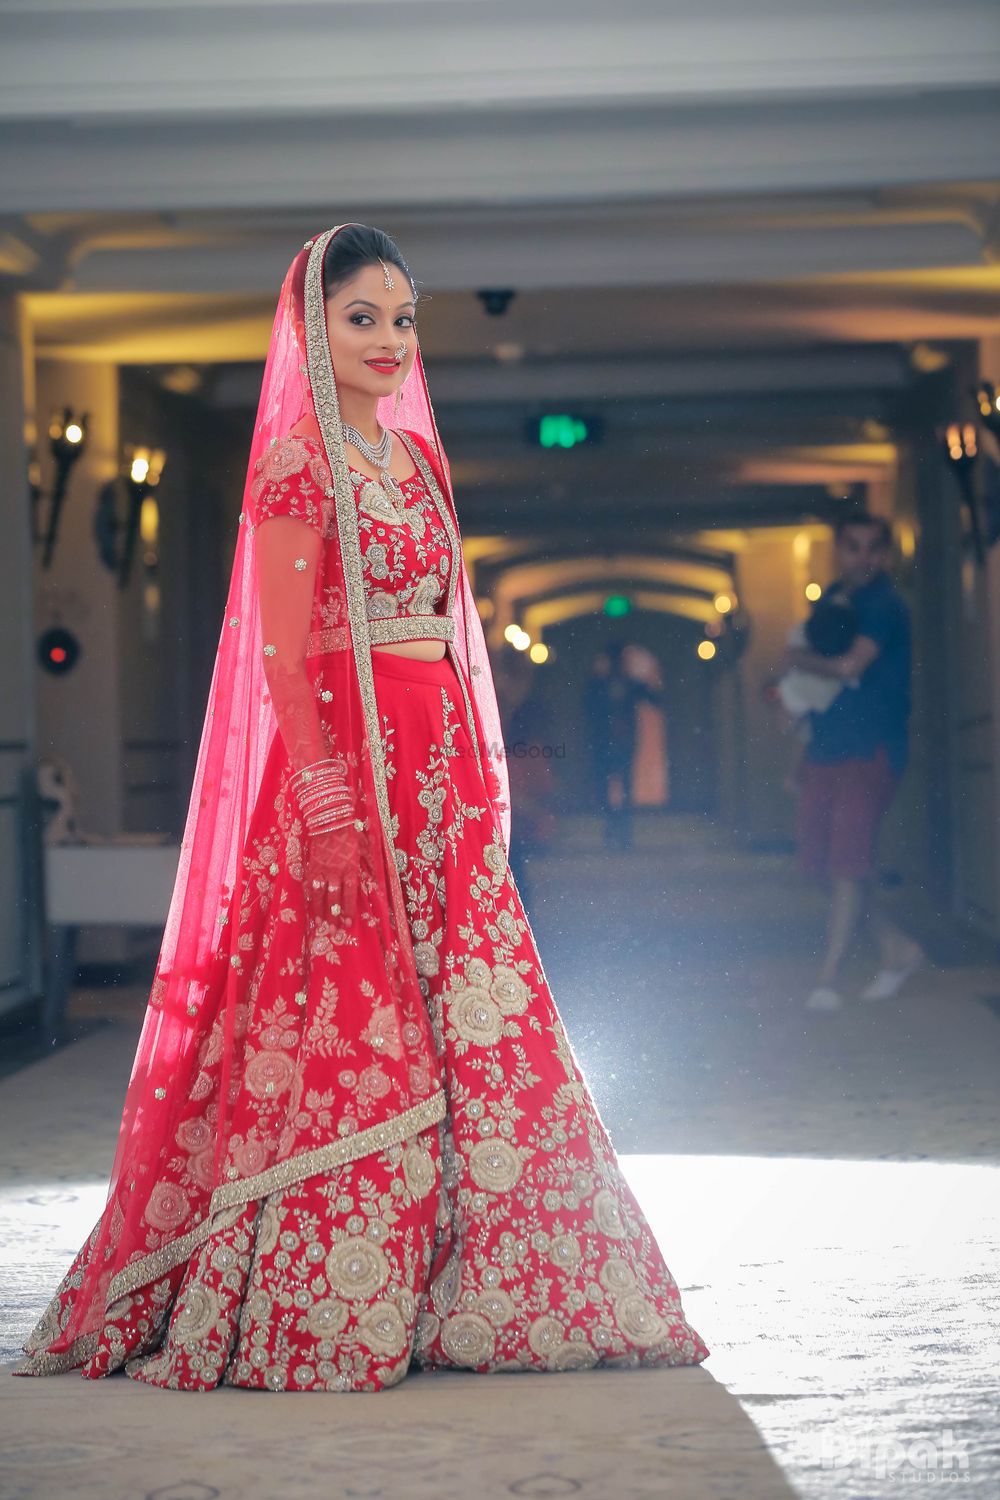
x,y
877,711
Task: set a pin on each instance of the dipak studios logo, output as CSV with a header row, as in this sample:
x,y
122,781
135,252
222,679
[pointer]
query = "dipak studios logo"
x,y
927,1460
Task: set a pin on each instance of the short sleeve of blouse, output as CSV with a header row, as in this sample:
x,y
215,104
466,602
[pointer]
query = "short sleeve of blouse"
x,y
291,478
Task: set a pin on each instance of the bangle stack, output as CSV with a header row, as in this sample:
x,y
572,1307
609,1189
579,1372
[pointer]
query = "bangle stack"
x,y
324,799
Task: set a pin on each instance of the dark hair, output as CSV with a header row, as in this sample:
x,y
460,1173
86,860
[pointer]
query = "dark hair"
x,y
864,518
354,247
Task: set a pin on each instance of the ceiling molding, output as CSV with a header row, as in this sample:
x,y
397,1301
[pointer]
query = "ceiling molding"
x,y
126,61
338,170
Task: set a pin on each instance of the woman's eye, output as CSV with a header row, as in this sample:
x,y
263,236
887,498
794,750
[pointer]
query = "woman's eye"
x,y
403,318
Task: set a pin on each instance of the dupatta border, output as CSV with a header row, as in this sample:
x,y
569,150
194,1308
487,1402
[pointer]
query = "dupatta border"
x,y
226,1198
327,408
230,1195
457,562
324,393
80,1350
443,510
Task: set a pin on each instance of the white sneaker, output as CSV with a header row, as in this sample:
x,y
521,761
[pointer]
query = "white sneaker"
x,y
889,982
824,998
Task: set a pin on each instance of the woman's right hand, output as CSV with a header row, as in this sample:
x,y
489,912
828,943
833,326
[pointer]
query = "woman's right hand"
x,y
332,867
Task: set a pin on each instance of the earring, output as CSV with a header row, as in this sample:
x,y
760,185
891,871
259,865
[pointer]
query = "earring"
x,y
400,353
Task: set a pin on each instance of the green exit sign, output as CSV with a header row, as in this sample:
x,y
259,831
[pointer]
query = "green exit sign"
x,y
564,430
617,605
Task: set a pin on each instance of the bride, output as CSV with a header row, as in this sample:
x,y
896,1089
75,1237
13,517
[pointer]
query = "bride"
x,y
356,1137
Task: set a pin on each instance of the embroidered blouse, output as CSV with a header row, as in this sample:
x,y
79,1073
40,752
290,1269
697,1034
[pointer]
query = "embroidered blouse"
x,y
407,564
406,554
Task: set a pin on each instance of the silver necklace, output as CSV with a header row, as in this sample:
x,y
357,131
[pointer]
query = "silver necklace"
x,y
378,455
381,456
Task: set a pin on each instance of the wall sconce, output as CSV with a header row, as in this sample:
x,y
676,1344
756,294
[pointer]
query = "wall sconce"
x,y
117,535
727,635
67,440
988,401
969,461
143,469
961,450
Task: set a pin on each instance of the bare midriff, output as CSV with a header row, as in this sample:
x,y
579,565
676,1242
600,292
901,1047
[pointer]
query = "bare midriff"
x,y
423,650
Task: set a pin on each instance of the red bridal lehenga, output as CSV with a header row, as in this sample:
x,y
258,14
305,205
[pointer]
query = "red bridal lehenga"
x,y
356,1138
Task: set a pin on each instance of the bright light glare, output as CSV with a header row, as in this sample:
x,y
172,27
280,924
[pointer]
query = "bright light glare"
x,y
813,591
853,1253
74,433
706,650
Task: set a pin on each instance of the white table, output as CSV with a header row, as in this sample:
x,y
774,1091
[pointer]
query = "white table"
x,y
123,882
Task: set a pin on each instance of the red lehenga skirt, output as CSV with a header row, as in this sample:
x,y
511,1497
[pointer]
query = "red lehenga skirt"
x,y
503,1238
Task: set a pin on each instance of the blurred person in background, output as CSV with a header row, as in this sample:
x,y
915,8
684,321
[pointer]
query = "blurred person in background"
x,y
855,755
529,735
611,701
650,765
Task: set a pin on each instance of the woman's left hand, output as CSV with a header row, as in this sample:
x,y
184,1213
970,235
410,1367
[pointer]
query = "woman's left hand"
x,y
333,863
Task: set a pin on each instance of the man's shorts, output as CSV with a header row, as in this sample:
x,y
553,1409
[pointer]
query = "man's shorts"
x,y
841,805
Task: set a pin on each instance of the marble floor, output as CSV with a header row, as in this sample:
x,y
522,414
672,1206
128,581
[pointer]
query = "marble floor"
x,y
826,1188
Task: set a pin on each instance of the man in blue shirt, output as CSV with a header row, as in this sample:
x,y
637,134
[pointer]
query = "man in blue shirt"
x,y
855,757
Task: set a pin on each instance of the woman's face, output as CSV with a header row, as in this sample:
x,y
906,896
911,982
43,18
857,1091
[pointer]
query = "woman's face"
x,y
365,322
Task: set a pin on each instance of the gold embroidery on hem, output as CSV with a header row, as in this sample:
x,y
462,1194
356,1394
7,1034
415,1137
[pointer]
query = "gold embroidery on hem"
x,y
78,1352
227,1197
